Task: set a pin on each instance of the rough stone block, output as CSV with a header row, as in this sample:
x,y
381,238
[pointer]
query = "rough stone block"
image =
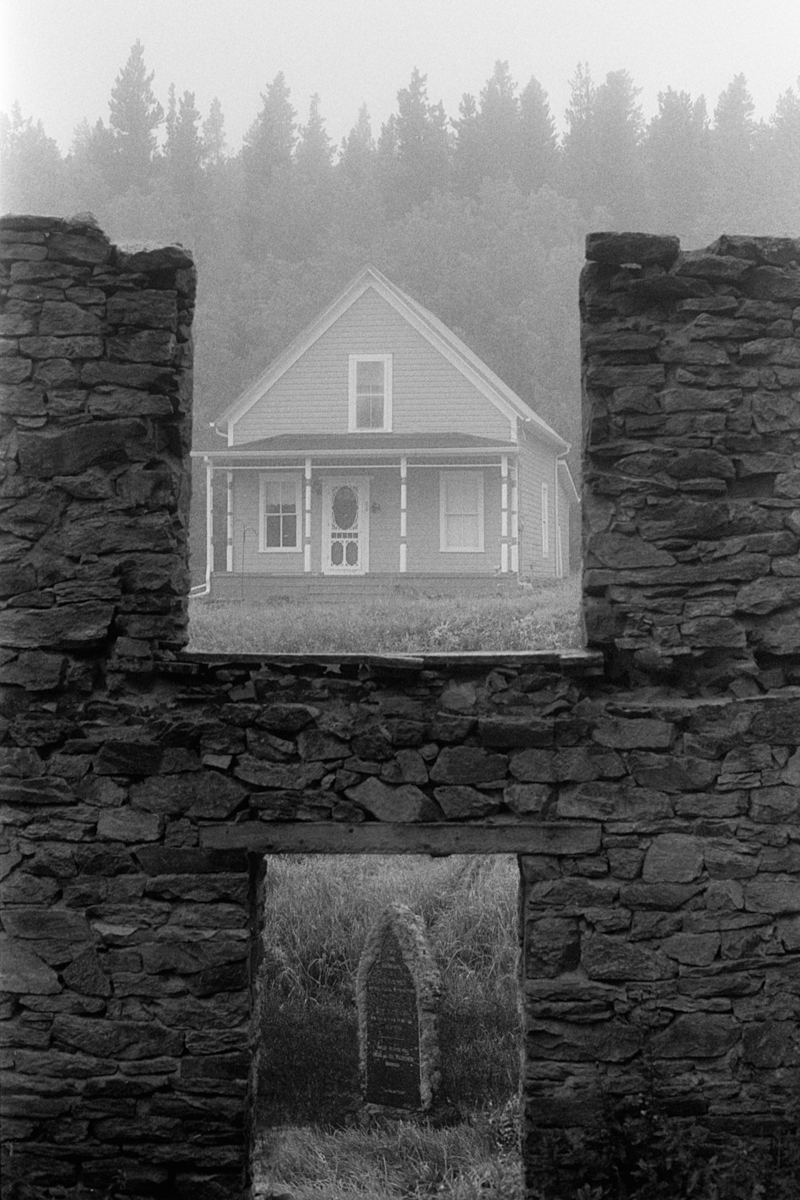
x,y
147,307
673,858
506,732
697,1035
552,946
612,958
134,757
622,733
695,949
403,804
45,453
524,798
468,765
23,972
644,248
128,825
773,894
461,803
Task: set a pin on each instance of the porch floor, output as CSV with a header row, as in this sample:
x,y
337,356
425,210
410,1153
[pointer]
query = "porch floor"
x,y
345,588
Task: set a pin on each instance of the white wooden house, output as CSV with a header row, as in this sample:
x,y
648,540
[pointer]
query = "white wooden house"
x,y
379,449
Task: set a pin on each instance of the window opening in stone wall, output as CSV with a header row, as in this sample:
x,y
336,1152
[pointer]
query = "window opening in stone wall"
x,y
331,924
423,499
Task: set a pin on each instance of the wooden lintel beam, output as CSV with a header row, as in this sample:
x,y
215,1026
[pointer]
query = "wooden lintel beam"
x,y
379,837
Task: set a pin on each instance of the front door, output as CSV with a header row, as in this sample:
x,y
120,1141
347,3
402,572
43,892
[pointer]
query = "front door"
x,y
345,526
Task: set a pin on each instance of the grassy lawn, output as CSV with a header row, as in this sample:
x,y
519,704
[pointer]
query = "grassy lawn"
x,y
545,617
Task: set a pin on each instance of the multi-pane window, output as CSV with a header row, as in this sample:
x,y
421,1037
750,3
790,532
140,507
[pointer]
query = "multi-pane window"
x,y
370,392
461,510
280,513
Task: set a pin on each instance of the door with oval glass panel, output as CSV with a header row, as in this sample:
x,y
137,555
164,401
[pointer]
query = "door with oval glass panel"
x,y
345,526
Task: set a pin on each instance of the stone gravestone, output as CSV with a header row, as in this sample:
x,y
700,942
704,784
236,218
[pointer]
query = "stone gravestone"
x,y
397,991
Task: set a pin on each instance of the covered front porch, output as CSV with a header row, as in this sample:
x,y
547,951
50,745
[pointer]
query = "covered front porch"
x,y
306,517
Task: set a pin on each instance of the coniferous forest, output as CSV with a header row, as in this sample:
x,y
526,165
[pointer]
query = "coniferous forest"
x,y
480,215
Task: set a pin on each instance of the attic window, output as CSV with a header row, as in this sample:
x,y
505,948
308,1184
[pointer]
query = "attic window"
x,y
370,393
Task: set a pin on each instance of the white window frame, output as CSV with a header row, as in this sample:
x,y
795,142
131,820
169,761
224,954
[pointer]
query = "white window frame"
x,y
443,477
355,359
545,521
296,482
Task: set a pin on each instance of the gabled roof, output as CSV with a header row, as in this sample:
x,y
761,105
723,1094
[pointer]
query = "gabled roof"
x,y
436,332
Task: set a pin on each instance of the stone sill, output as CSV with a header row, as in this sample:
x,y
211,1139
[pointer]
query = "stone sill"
x,y
588,661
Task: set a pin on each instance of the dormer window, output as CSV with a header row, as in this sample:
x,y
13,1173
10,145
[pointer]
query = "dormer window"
x,y
370,393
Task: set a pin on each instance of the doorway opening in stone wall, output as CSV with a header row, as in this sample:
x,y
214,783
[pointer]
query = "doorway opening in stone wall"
x,y
326,1121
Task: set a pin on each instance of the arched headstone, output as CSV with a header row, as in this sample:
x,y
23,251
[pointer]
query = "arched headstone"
x,y
398,990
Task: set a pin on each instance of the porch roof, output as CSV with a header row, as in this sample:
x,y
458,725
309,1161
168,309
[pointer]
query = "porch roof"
x,y
353,444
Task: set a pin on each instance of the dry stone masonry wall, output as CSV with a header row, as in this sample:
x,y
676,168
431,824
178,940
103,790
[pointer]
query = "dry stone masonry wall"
x,y
96,422
651,784
692,458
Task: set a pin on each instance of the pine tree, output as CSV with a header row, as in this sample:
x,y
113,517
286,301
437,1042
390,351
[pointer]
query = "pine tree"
x,y
578,164
732,198
677,164
184,149
489,135
498,124
135,116
270,140
314,152
616,138
466,155
33,173
360,218
357,154
602,160
538,159
782,166
413,149
214,135
92,167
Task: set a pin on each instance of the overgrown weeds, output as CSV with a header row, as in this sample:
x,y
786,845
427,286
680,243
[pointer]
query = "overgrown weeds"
x,y
546,617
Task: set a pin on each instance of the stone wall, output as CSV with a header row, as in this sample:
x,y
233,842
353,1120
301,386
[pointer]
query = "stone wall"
x,y
692,459
96,423
652,796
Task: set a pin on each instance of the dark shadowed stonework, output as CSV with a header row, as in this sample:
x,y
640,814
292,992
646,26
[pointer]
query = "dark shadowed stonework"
x,y
650,785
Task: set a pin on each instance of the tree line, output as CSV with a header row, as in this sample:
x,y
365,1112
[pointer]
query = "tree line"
x,y
481,217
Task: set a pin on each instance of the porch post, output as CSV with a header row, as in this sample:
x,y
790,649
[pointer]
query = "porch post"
x,y
515,518
403,503
307,517
504,514
229,529
209,522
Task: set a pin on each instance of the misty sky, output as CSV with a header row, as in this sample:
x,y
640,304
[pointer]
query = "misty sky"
x,y
59,58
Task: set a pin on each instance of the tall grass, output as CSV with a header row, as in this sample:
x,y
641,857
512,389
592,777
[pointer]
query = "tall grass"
x,y
389,1161
318,913
543,618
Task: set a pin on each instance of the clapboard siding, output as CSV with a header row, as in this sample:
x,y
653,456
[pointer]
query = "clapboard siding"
x,y
429,393
537,466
